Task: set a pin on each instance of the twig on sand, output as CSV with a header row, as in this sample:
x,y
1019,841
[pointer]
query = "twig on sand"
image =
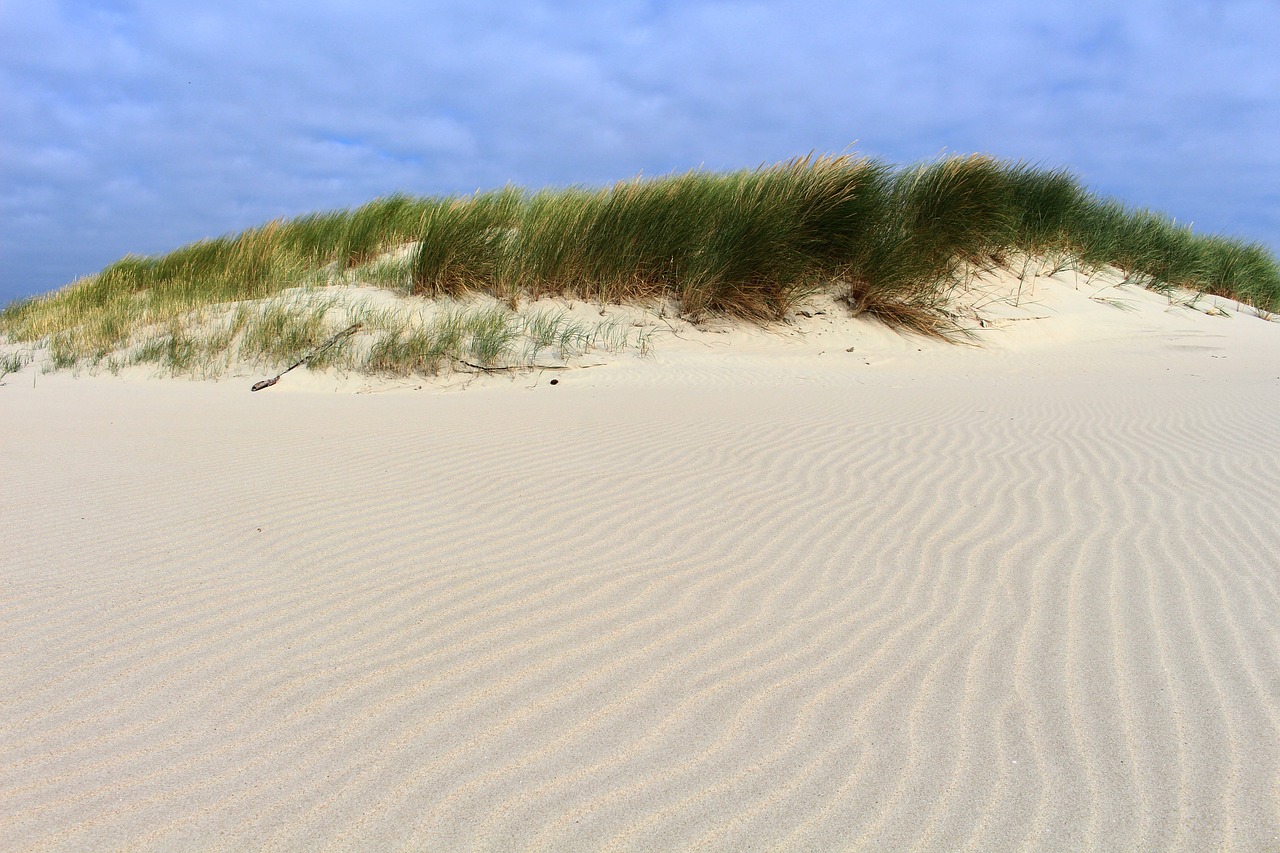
x,y
506,367
528,368
267,383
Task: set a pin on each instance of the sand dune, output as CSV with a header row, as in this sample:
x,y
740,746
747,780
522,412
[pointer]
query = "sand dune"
x,y
747,593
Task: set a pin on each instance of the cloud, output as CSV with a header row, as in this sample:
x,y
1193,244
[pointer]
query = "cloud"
x,y
137,126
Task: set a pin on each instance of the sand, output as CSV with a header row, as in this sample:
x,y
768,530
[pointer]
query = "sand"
x,y
753,591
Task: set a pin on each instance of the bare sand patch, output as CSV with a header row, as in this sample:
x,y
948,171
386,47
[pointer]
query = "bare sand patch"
x,y
822,586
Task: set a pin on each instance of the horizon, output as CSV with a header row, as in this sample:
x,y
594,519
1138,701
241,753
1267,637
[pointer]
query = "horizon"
x,y
139,128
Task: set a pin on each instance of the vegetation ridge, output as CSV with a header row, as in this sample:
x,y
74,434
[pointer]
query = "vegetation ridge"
x,y
891,243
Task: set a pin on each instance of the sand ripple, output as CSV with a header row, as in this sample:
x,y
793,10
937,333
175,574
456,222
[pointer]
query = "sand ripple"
x,y
957,613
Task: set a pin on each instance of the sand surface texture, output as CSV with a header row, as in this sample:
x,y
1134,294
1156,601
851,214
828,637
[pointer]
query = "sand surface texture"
x,y
751,592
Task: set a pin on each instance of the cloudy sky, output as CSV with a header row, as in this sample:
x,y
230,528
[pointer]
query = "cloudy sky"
x,y
140,126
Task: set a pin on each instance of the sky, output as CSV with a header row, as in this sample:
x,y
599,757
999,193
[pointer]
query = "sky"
x,y
137,127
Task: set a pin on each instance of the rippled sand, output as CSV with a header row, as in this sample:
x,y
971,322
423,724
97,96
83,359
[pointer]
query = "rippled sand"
x,y
913,597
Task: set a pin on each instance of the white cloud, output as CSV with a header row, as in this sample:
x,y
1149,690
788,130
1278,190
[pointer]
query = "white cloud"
x,y
139,126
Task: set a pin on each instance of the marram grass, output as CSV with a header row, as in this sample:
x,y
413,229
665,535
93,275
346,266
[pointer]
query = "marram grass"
x,y
394,340
892,243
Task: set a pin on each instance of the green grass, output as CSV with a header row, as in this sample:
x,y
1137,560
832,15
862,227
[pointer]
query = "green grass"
x,y
892,243
394,340
13,362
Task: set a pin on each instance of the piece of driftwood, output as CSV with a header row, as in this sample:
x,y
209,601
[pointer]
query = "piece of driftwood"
x,y
267,383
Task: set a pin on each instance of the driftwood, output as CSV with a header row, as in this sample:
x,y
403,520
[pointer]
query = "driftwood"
x,y
267,383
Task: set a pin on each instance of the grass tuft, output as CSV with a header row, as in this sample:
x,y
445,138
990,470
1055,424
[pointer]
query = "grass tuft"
x,y
13,362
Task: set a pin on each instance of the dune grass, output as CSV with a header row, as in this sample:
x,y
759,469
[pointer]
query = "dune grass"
x,y
13,362
396,340
892,243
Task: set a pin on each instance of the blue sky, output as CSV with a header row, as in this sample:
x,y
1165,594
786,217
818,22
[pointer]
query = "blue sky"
x,y
140,126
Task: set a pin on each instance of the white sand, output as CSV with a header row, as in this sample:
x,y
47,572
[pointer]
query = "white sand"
x,y
752,592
